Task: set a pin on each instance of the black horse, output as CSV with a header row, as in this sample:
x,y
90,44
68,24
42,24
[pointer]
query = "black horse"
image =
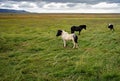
x,y
111,27
78,28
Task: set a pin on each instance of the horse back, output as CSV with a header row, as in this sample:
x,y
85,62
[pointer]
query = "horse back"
x,y
75,28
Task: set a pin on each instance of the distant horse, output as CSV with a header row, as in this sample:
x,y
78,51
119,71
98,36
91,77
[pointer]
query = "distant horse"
x,y
111,27
66,36
78,28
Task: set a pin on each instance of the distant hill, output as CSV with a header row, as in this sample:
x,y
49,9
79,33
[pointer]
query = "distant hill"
x,y
12,11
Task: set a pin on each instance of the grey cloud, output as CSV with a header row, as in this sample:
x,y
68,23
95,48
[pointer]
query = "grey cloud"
x,y
71,5
26,6
8,6
63,5
84,1
20,0
40,4
69,1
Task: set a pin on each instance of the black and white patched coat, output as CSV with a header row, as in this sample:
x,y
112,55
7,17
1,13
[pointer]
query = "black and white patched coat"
x,y
66,36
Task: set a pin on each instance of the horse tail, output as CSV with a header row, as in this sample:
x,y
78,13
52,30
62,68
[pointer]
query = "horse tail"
x,y
75,38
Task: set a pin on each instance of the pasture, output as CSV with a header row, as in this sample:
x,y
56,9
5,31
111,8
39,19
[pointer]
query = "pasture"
x,y
30,50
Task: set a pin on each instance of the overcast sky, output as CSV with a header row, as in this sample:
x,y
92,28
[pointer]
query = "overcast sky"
x,y
63,6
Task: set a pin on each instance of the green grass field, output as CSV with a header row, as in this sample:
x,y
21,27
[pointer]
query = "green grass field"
x,y
30,50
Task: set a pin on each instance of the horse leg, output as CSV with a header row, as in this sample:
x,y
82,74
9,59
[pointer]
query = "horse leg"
x,y
74,44
64,43
113,29
79,32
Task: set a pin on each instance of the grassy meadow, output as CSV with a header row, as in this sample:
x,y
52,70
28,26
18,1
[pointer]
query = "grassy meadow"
x,y
30,50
